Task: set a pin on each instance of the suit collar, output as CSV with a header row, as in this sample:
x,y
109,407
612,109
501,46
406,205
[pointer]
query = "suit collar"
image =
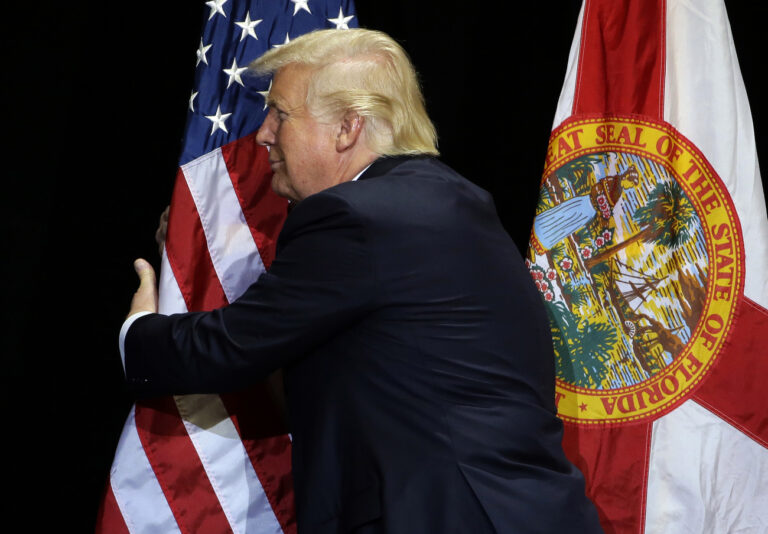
x,y
385,164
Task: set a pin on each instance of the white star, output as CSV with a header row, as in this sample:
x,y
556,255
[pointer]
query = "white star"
x,y
287,40
341,21
192,101
234,73
300,4
265,94
218,120
248,25
201,51
216,7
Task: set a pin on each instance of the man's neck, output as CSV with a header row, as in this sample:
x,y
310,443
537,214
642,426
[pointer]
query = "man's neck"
x,y
356,165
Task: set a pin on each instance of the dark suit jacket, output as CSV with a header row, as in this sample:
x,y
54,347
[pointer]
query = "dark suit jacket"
x,y
418,362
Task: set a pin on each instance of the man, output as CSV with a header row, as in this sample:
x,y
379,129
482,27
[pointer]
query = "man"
x,y
417,358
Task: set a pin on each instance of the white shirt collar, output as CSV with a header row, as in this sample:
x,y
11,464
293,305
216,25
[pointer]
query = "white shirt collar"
x,y
360,173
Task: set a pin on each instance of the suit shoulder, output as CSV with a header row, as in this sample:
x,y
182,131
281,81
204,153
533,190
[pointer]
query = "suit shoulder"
x,y
329,204
322,212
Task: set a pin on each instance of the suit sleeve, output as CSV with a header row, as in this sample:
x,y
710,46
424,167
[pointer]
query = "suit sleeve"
x,y
320,283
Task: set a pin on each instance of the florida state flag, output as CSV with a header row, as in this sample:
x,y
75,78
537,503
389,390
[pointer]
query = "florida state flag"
x,y
650,249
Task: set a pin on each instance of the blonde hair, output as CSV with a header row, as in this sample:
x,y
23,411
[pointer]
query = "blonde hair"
x,y
365,71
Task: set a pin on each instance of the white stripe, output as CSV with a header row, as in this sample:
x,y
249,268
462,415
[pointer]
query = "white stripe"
x,y
705,476
227,464
705,99
565,103
233,251
170,299
137,491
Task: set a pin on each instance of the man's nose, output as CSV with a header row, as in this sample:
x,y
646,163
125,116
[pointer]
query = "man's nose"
x,y
266,134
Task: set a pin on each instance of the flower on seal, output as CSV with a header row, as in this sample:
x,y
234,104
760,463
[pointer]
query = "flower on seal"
x,y
566,263
607,234
599,241
586,252
548,296
551,274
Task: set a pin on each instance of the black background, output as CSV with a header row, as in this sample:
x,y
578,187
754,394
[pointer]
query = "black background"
x,y
93,112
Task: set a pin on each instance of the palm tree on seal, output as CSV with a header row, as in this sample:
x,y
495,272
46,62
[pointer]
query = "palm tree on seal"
x,y
666,219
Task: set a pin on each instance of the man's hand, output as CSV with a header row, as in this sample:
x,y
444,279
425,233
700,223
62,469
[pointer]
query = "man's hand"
x,y
162,230
145,298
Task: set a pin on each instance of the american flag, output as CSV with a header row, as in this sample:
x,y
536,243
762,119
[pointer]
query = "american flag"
x,y
208,463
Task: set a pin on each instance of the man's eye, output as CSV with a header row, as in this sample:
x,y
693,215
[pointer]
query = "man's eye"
x,y
281,115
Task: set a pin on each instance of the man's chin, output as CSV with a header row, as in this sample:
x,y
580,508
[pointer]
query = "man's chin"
x,y
282,191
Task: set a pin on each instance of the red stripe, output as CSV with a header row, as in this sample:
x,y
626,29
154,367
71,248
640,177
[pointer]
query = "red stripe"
x,y
621,70
110,519
178,469
614,461
735,387
622,58
248,166
188,252
263,432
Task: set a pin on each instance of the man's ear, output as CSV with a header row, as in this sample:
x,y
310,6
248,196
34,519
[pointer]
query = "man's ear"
x,y
350,129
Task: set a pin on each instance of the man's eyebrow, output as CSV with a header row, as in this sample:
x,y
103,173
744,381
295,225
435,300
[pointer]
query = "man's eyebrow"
x,y
274,101
280,104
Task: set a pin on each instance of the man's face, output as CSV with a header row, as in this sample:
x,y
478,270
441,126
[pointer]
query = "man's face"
x,y
302,152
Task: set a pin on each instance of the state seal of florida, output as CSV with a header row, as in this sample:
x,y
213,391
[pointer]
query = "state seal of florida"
x,y
638,256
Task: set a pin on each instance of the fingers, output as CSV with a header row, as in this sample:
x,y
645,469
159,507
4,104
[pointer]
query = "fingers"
x,y
145,298
162,229
145,273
